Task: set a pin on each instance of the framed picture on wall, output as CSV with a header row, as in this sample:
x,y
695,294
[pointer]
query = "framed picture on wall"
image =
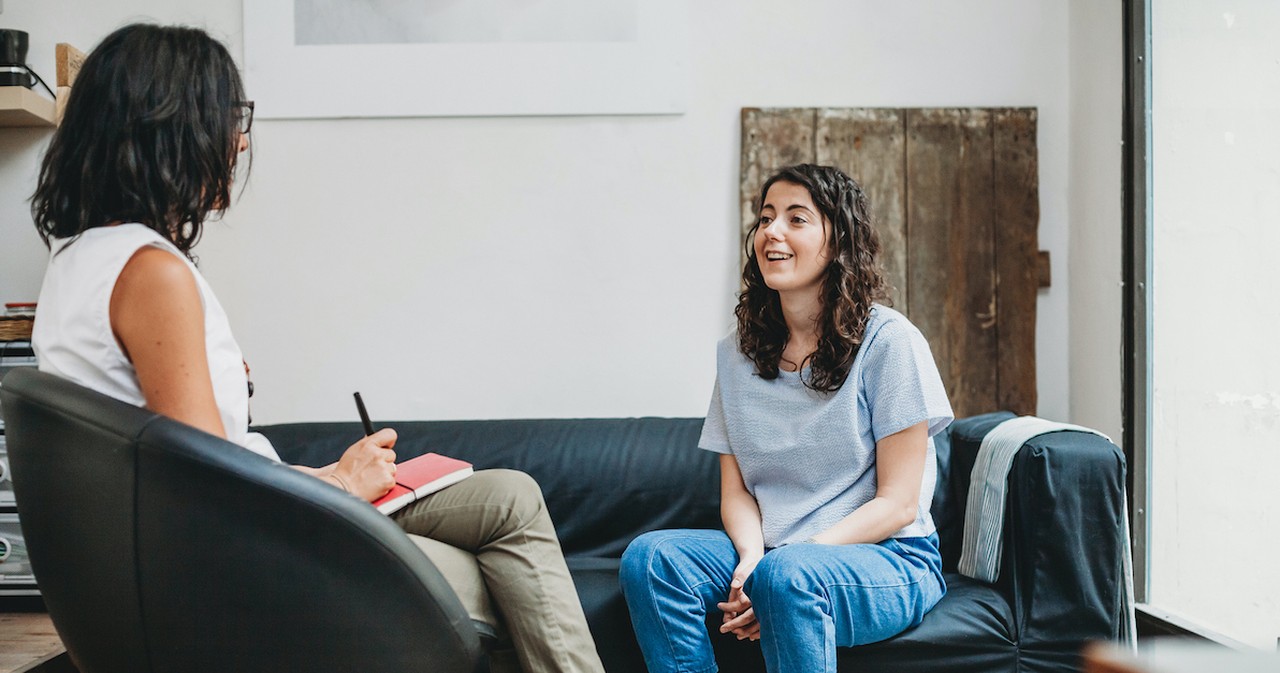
x,y
413,58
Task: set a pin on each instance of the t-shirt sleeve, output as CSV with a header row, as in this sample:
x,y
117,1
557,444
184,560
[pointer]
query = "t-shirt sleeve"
x,y
902,383
715,434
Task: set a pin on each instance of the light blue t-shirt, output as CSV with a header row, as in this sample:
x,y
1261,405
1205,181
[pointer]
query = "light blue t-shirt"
x,y
809,458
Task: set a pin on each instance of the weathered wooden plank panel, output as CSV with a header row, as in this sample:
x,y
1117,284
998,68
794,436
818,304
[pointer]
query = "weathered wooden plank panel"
x,y
771,139
951,249
1017,215
870,145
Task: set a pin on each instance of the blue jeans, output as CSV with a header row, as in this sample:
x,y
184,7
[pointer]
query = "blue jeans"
x,y
808,598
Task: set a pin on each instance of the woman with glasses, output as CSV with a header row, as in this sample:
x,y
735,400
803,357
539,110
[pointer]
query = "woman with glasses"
x,y
146,154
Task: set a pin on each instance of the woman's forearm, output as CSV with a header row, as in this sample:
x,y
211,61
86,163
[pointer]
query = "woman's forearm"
x,y
873,522
739,511
741,516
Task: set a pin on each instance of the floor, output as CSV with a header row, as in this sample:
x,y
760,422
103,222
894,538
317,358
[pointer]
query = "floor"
x,y
27,639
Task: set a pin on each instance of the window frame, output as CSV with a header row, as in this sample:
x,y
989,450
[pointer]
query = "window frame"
x,y
1136,273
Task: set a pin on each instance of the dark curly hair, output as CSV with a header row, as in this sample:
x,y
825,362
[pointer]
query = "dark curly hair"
x,y
150,135
852,282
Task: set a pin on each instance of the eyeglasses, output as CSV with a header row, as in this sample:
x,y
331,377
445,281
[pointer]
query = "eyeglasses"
x,y
244,117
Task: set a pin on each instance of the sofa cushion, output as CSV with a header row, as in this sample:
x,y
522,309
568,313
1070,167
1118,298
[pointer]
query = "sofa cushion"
x,y
970,629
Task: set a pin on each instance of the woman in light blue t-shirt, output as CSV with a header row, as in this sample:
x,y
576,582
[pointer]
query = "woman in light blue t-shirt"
x,y
824,409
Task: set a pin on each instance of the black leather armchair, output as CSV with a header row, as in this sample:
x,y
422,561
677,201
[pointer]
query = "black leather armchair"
x,y
158,547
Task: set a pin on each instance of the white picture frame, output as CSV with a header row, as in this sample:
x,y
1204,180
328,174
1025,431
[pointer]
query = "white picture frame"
x,y
646,75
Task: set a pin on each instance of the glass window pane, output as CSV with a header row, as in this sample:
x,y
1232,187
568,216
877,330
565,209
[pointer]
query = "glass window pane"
x,y
1215,454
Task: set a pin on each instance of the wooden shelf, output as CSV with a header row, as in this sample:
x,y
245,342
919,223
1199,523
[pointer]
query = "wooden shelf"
x,y
20,106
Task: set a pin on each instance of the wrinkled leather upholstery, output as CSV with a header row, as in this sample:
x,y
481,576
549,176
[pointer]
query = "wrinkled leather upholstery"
x,y
608,480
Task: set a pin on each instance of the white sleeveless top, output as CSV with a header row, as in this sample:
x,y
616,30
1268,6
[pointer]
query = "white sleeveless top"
x,y
72,337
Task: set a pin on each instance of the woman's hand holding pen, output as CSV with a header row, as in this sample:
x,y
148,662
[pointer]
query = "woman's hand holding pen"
x,y
739,616
367,469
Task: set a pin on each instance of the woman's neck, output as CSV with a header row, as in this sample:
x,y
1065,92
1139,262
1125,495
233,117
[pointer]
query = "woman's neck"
x,y
800,311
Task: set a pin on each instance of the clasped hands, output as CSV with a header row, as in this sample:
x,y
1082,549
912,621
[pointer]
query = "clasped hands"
x,y
739,616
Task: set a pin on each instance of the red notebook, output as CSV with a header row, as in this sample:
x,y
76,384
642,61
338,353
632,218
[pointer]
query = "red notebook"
x,y
421,476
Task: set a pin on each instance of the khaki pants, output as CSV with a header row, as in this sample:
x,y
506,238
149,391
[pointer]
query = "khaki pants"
x,y
491,537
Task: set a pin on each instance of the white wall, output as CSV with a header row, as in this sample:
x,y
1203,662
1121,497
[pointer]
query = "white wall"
x,y
1097,88
574,266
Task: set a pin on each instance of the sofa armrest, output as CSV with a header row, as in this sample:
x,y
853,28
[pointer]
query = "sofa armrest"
x,y
1061,566
1064,540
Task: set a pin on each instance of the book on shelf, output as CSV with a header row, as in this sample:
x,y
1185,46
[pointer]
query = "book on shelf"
x,y
419,477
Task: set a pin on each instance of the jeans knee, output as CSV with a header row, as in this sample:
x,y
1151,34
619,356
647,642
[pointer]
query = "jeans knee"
x,y
637,557
647,557
782,573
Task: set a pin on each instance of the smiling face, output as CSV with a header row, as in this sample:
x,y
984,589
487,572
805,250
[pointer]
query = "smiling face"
x,y
792,241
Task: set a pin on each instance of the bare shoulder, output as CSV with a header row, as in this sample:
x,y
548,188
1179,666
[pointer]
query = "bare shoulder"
x,y
155,290
155,276
156,268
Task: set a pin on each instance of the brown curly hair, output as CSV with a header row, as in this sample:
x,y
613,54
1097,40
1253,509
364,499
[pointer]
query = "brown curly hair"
x,y
853,281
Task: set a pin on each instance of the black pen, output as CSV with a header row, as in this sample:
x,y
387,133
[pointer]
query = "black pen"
x,y
364,416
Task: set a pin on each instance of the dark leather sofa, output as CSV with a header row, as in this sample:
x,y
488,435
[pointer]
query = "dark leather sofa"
x,y
608,480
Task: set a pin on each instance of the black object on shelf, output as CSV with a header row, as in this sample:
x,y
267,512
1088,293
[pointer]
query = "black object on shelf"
x,y
14,70
13,59
13,46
